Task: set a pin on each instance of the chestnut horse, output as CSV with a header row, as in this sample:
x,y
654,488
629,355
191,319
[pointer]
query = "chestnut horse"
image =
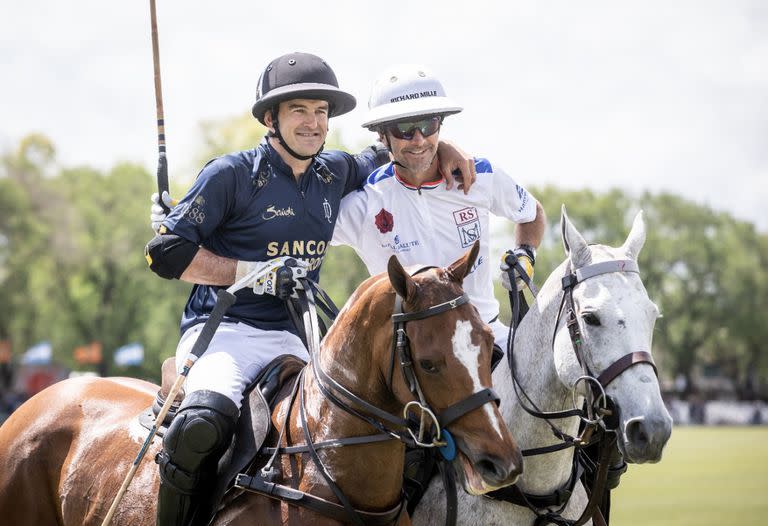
x,y
64,453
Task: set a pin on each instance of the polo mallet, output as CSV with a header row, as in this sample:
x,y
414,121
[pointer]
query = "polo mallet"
x,y
225,299
162,160
223,302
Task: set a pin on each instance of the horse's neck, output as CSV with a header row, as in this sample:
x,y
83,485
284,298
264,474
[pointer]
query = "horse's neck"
x,y
349,357
535,370
357,348
351,467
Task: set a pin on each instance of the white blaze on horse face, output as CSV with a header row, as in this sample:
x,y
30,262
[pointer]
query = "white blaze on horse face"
x,y
468,355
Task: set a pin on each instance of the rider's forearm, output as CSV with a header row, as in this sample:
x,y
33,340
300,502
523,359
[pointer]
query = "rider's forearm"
x,y
207,268
531,233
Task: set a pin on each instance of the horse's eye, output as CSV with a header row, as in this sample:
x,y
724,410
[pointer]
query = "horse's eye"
x,y
591,319
428,366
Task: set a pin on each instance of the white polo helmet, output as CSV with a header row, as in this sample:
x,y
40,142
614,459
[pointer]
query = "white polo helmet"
x,y
405,91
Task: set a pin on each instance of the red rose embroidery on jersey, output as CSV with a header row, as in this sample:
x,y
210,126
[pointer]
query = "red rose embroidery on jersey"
x,y
384,221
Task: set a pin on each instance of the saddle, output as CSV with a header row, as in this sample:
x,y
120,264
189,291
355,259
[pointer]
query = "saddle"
x,y
253,425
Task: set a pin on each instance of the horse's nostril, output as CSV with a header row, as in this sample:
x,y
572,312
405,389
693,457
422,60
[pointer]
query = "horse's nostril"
x,y
497,472
491,470
635,433
644,438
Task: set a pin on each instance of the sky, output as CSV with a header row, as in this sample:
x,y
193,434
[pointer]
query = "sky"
x,y
653,95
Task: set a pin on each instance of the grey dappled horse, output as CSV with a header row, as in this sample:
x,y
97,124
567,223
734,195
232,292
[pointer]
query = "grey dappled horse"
x,y
616,318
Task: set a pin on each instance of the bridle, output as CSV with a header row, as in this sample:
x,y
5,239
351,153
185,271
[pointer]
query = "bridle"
x,y
419,425
599,416
401,347
596,394
401,350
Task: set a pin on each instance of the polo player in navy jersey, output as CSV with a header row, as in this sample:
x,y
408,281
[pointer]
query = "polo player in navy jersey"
x,y
278,200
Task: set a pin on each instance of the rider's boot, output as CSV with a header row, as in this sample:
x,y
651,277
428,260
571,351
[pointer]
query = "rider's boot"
x,y
198,436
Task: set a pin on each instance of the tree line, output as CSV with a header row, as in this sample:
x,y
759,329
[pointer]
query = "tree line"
x,y
72,269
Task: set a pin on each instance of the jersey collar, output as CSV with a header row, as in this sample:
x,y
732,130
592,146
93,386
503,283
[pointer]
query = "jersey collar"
x,y
429,185
280,165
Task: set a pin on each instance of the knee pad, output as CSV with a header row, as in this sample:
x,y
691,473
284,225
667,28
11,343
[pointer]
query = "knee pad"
x,y
197,437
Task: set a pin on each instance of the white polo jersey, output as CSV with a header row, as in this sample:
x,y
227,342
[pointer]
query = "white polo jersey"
x,y
429,225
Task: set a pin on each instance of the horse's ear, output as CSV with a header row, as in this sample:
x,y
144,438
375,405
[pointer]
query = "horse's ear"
x,y
401,281
575,246
459,269
636,238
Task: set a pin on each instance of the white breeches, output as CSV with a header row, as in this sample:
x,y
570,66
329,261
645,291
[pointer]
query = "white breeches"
x,y
236,355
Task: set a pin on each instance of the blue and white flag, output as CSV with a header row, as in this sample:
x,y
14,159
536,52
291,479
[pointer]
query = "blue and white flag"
x,y
131,354
38,354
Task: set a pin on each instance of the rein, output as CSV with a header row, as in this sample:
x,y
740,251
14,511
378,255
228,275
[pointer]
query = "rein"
x,y
597,429
431,431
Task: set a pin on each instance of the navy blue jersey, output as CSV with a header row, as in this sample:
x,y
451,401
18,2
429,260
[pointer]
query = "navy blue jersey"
x,y
248,206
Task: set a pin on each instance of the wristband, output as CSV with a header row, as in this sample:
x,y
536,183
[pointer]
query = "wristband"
x,y
529,250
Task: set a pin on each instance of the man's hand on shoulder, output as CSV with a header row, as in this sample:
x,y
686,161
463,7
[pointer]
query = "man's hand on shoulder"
x,y
456,166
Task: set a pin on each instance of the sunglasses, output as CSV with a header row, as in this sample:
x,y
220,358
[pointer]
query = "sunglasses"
x,y
406,130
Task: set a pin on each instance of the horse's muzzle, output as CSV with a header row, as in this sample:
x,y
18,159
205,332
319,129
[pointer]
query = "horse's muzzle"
x,y
498,473
483,473
643,438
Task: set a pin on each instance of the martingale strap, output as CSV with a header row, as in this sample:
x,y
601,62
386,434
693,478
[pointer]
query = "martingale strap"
x,y
607,443
448,475
256,484
336,442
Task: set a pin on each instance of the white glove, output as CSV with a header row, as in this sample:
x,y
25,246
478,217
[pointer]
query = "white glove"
x,y
157,212
525,259
278,276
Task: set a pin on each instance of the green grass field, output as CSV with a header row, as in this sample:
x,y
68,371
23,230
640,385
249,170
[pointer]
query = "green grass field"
x,y
708,476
